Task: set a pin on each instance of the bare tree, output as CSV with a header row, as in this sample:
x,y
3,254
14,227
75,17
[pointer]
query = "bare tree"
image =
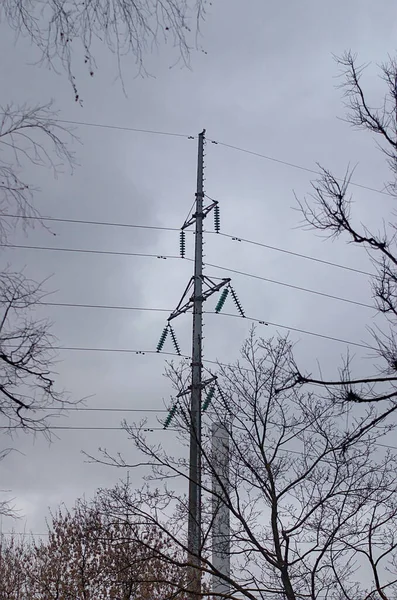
x,y
307,491
329,209
28,396
87,556
13,560
27,136
62,29
26,382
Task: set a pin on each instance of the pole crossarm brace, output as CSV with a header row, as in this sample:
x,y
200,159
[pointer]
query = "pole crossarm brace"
x,y
205,211
212,288
203,385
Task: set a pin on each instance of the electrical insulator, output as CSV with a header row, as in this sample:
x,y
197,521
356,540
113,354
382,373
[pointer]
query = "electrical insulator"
x,y
175,341
217,218
182,242
222,300
162,339
170,416
237,302
222,396
208,399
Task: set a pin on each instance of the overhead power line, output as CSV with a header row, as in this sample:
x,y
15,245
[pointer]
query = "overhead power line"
x,y
219,143
304,331
290,285
88,222
86,428
297,254
146,430
166,310
103,306
125,128
111,350
105,409
252,319
160,256
84,251
296,166
226,235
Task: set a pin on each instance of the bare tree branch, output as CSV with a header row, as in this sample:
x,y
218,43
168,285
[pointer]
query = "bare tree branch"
x,y
26,379
329,209
28,135
67,31
299,488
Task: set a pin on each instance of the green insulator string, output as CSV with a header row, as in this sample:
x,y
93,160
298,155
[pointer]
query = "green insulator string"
x,y
182,243
237,302
217,218
222,300
170,416
162,339
175,341
208,399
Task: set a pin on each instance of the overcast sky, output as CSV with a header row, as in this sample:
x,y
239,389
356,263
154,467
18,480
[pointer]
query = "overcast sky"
x,y
266,84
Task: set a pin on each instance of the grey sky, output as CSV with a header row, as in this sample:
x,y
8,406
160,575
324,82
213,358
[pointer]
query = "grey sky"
x,y
266,84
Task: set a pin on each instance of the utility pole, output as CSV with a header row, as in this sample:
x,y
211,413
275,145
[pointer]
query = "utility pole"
x,y
198,290
194,523
220,510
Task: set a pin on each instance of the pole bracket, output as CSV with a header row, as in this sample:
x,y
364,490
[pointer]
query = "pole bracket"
x,y
185,306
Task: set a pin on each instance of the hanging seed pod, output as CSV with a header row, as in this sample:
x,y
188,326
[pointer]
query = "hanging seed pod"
x,y
162,339
208,399
237,302
182,243
217,218
222,300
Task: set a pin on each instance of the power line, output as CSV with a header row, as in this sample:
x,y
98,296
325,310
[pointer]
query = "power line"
x,y
290,252
253,319
124,128
146,430
24,533
101,409
304,331
149,410
226,235
295,166
166,310
83,251
140,254
90,428
114,350
218,143
102,306
290,285
37,534
87,222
